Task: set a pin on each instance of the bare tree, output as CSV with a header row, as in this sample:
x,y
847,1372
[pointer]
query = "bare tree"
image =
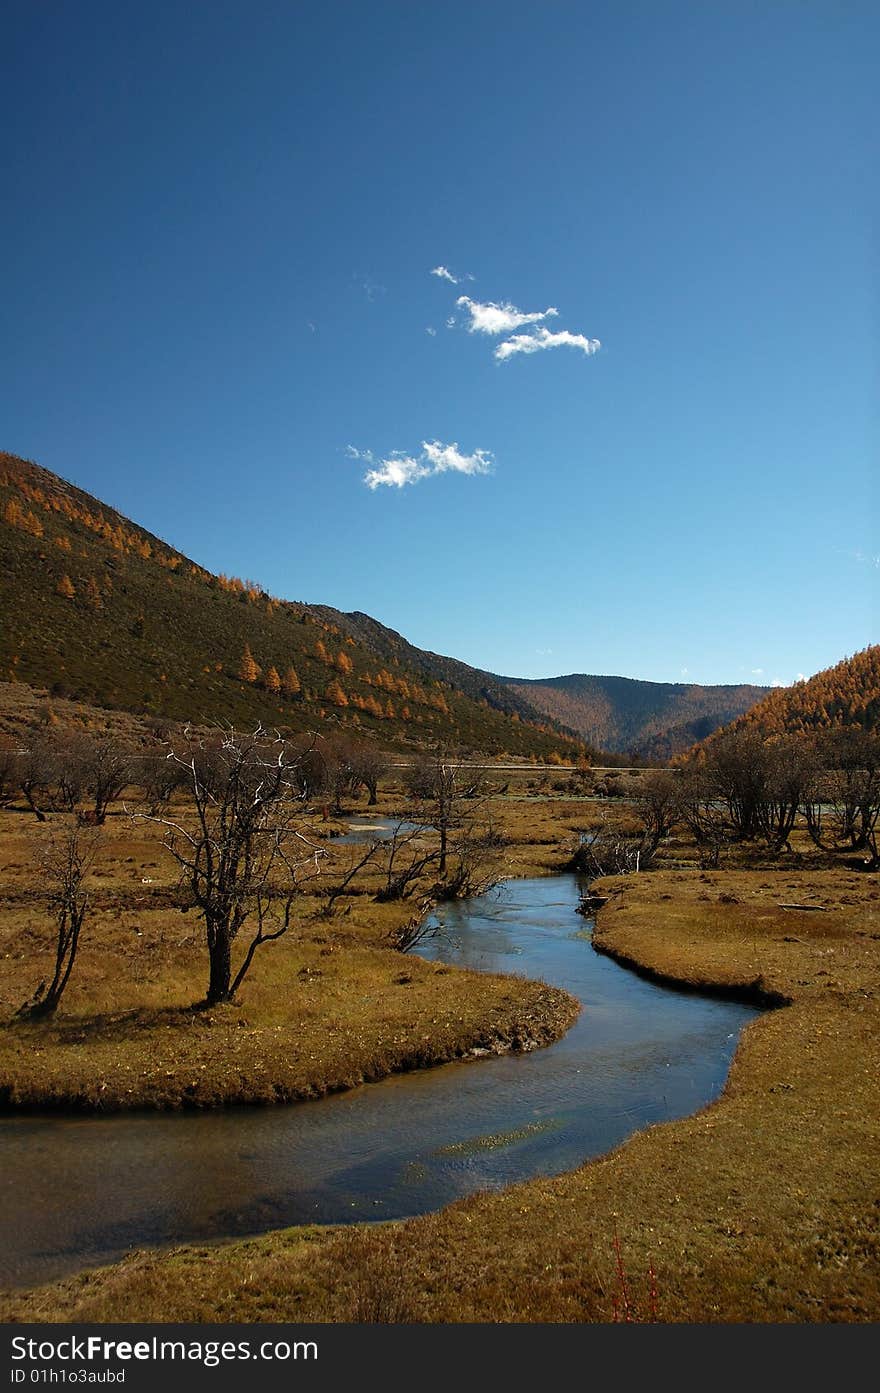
x,y
472,866
611,850
352,870
368,766
245,856
417,929
704,814
408,857
109,768
158,778
842,801
737,766
789,766
64,869
444,788
34,772
9,784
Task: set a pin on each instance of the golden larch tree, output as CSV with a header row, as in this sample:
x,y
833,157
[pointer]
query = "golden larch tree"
x,y
291,685
248,670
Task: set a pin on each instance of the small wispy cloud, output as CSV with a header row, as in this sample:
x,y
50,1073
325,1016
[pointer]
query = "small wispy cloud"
x,y
757,672
443,273
863,559
400,468
354,453
543,338
489,318
432,332
372,288
451,322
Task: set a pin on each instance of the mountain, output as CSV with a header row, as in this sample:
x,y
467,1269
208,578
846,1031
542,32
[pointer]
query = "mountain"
x,y
97,609
847,694
652,719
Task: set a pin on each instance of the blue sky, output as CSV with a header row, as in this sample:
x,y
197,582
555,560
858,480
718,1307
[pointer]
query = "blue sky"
x,y
220,223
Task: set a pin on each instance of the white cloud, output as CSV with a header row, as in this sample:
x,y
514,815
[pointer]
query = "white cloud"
x,y
490,318
396,471
757,672
443,273
543,338
448,457
778,682
432,332
399,468
451,322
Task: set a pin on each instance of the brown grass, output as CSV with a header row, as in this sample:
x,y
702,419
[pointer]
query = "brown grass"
x,y
762,1207
328,1007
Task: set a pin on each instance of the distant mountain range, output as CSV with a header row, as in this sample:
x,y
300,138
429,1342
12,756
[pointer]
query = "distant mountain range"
x,y
98,609
651,719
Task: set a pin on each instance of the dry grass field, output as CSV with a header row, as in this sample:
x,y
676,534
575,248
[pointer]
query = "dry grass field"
x,y
763,1207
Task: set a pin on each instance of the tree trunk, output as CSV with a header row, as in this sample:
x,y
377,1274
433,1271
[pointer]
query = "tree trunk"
x,y
220,955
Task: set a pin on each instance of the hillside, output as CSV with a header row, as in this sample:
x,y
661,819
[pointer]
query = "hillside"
x,y
474,682
653,719
847,694
100,610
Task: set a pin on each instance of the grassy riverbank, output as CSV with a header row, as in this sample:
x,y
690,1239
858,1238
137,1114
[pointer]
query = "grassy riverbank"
x,y
762,1207
329,1006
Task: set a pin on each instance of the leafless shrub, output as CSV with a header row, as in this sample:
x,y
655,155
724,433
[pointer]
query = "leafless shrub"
x,y
64,868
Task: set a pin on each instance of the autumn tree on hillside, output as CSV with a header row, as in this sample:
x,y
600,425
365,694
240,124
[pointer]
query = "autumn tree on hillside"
x,y
335,694
273,681
65,587
290,684
248,670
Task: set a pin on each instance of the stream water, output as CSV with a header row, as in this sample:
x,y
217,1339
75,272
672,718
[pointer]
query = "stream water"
x,y
79,1191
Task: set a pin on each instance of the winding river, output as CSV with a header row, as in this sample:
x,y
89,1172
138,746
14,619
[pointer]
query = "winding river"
x,y
79,1191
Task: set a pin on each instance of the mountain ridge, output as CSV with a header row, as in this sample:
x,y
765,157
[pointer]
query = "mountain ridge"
x,y
100,608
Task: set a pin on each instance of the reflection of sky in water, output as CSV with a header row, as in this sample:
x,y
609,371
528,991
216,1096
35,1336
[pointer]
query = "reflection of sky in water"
x,y
75,1192
368,829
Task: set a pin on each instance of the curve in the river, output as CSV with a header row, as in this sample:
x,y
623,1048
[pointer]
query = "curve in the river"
x,y
79,1191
